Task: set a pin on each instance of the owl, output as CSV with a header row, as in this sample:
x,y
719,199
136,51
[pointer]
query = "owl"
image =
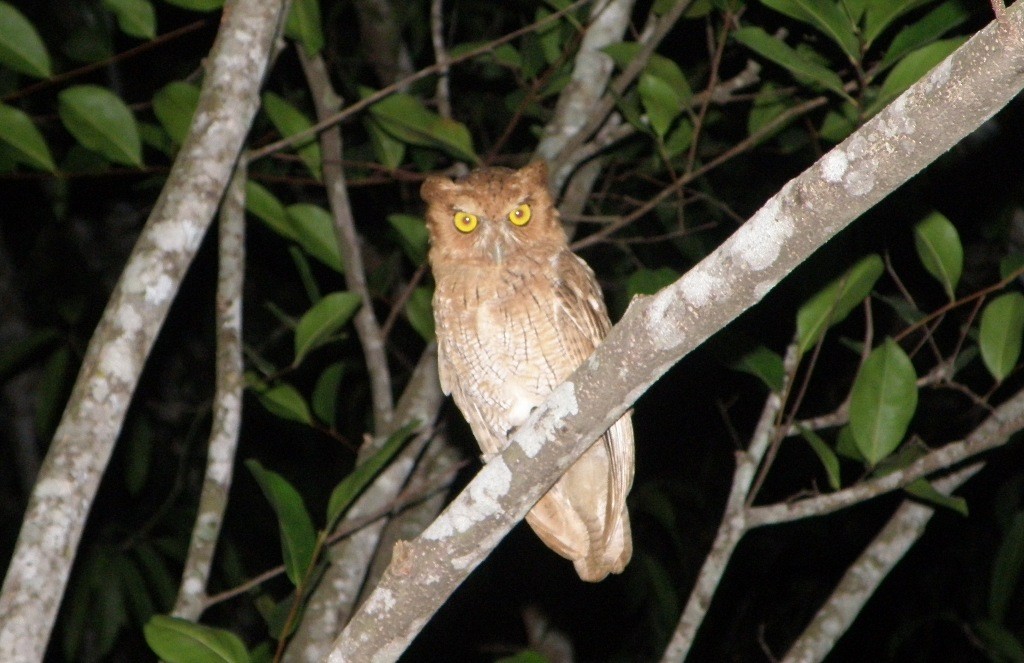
x,y
516,313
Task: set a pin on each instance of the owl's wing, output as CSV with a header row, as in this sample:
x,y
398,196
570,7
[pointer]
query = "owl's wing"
x,y
561,519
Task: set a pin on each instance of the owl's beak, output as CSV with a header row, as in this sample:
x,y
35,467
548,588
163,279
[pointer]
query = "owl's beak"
x,y
496,244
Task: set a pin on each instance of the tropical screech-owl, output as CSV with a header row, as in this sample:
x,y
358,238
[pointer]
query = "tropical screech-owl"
x,y
516,312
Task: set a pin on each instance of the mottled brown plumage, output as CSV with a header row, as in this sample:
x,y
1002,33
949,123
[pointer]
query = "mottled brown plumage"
x,y
516,313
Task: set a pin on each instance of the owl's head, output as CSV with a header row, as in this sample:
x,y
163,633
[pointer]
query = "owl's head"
x,y
491,214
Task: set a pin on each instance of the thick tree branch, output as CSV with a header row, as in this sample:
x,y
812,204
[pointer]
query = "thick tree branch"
x,y
947,104
227,403
119,347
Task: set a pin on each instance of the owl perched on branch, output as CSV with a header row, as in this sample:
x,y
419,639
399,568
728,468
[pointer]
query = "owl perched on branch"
x,y
517,312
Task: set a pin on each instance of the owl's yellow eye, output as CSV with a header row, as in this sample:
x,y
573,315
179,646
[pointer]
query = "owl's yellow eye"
x,y
465,222
520,216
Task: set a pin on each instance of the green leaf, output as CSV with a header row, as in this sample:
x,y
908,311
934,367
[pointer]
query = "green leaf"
x,y
880,14
177,640
938,247
825,16
156,137
265,206
100,121
1002,324
289,120
828,458
420,312
174,105
922,489
835,301
927,29
18,131
846,447
304,25
322,321
298,537
325,394
390,151
911,68
286,402
769,103
527,656
649,281
136,18
764,364
197,5
803,68
412,236
1000,642
839,123
351,486
882,401
54,388
660,102
407,119
313,228
1011,263
1006,569
21,48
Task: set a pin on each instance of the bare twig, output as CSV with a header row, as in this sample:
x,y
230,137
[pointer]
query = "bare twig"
x,y
227,403
442,96
326,101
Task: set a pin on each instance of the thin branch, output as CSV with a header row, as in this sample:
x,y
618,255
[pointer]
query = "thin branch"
x,y
60,79
327,101
867,572
227,403
739,148
442,96
1007,419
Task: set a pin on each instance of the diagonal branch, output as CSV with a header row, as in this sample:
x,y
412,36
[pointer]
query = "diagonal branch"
x,y
327,103
947,104
117,352
227,403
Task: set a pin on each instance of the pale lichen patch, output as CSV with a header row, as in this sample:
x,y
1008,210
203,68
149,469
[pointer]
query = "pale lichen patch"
x,y
492,483
117,361
759,241
703,288
562,402
381,601
159,290
174,235
834,165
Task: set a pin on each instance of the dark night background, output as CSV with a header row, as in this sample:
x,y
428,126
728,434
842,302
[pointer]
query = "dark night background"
x,y
65,239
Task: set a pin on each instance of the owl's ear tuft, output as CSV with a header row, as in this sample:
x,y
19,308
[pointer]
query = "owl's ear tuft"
x,y
536,172
434,188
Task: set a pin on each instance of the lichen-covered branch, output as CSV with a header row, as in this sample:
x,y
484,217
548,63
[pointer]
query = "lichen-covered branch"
x,y
656,331
327,103
734,521
867,572
1006,420
84,440
227,403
